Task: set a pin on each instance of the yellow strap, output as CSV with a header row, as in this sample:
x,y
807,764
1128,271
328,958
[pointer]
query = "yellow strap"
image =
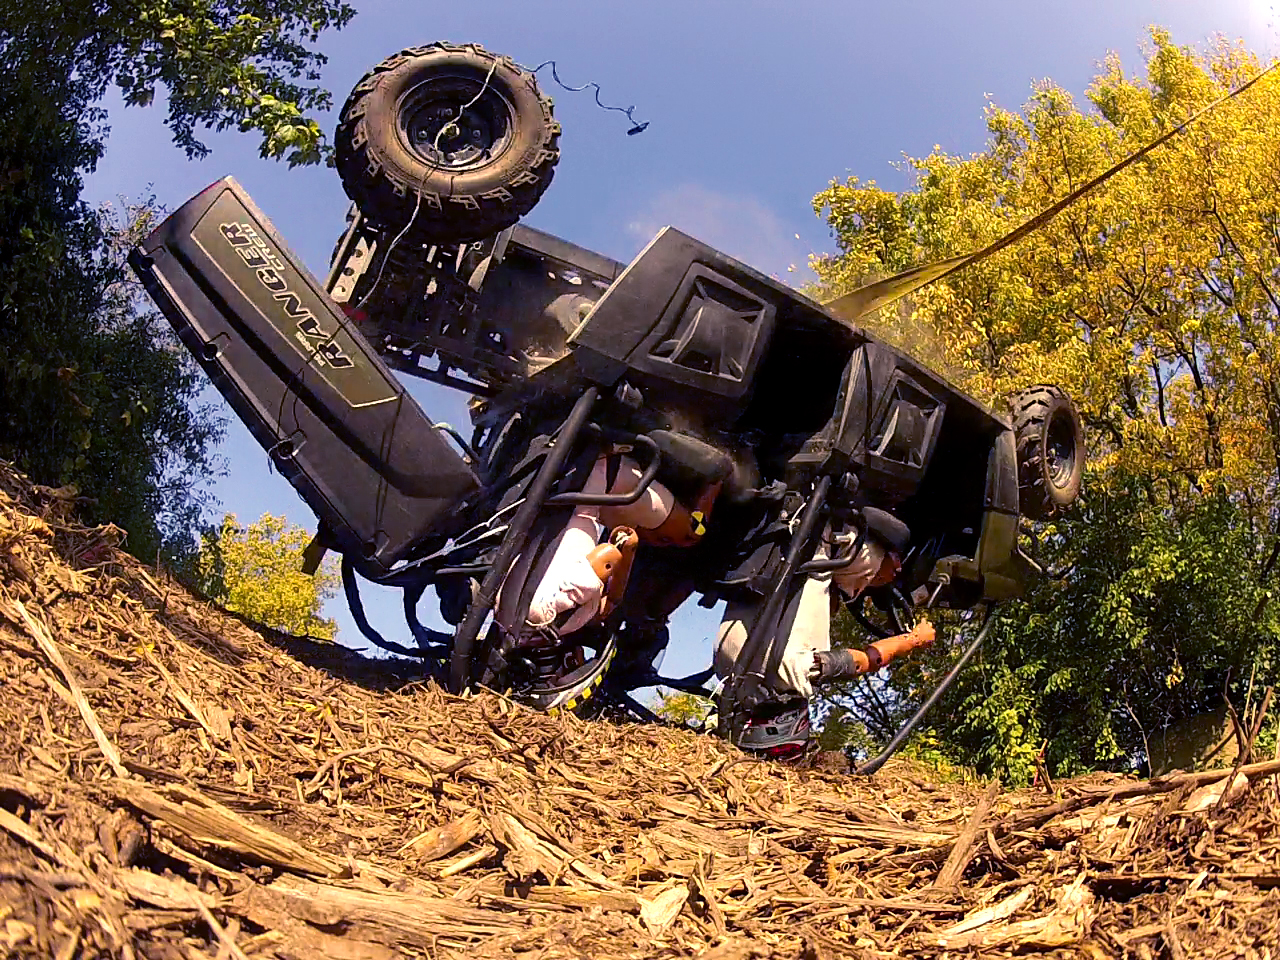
x,y
871,297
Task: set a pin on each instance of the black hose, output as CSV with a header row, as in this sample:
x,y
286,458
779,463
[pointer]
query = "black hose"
x,y
842,559
871,766
356,605
514,541
431,641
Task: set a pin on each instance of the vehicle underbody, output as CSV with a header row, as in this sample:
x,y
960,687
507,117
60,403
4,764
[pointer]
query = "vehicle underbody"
x,y
744,398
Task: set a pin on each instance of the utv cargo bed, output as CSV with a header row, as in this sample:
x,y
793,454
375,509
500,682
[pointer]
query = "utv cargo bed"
x,y
334,420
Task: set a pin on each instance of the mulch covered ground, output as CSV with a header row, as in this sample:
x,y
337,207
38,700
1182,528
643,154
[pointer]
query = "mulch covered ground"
x,y
175,784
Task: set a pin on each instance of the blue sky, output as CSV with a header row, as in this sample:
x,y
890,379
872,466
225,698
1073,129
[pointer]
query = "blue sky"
x,y
753,107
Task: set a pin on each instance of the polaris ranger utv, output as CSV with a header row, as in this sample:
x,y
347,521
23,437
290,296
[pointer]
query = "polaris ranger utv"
x,y
712,376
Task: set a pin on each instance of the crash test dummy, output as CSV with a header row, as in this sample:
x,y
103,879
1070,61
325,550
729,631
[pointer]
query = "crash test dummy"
x,y
779,726
591,561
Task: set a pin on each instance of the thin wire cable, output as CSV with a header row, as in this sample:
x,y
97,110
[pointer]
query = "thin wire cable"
x,y
636,127
428,167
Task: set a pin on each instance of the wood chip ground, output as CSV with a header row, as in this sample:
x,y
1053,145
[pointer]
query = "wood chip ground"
x,y
176,785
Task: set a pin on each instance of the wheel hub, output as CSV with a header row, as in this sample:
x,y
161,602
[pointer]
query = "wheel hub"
x,y
1060,451
442,125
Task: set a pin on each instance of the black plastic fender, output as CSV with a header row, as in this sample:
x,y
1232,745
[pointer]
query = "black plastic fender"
x,y
312,391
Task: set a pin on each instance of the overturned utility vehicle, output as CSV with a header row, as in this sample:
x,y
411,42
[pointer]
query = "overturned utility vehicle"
x,y
763,414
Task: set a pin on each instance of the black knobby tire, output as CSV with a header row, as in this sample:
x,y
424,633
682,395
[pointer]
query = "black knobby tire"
x,y
1050,448
465,183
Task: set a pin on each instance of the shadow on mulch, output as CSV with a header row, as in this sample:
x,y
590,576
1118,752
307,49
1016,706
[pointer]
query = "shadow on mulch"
x,y
377,674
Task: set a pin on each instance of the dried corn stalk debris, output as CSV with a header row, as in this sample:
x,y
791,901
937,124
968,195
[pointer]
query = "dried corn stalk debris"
x,y
176,785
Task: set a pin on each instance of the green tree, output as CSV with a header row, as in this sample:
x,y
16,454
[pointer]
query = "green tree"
x,y
256,571
248,64
94,389
1162,614
688,709
1156,302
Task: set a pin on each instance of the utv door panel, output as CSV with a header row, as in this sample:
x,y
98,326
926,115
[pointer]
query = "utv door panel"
x,y
902,443
340,427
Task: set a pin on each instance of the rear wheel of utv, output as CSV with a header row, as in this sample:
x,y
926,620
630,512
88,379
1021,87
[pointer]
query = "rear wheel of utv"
x,y
452,142
1050,445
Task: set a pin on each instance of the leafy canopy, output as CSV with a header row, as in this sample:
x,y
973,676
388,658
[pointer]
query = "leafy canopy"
x,y
247,64
687,709
1155,302
94,389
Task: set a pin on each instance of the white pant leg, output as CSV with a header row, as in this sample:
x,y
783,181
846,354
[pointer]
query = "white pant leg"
x,y
569,580
853,578
807,622
737,620
803,629
805,626
570,583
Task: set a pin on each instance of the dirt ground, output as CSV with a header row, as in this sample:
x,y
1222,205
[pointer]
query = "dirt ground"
x,y
175,784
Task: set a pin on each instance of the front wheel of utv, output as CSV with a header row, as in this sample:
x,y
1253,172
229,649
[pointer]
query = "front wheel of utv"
x,y
1050,447
453,143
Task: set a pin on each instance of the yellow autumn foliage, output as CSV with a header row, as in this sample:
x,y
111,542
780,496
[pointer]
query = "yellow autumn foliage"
x,y
1155,300
256,571
686,709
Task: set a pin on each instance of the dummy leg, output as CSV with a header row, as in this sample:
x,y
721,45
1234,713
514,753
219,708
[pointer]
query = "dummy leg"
x,y
804,629
779,726
661,581
570,582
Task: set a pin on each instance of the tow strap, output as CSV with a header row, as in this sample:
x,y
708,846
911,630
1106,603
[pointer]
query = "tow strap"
x,y
871,297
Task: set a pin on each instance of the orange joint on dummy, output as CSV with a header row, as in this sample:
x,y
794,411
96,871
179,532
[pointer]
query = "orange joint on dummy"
x,y
833,665
611,562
